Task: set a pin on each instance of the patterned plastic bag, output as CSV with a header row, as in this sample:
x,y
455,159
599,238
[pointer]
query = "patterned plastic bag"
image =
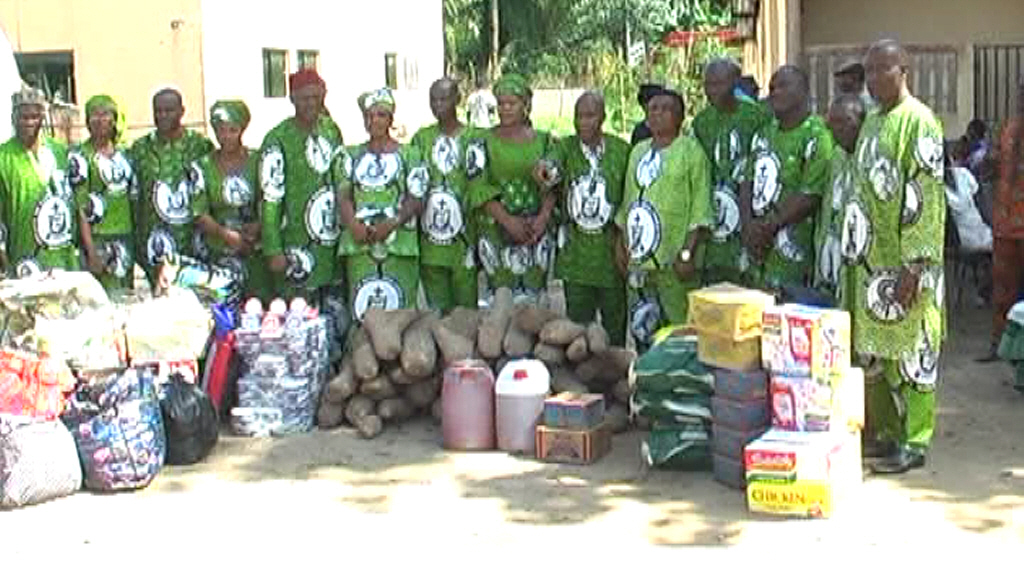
x,y
38,462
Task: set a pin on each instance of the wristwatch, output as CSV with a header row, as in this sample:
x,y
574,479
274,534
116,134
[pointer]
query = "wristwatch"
x,y
685,255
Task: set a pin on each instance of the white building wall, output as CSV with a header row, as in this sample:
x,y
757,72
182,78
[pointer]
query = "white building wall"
x,y
352,38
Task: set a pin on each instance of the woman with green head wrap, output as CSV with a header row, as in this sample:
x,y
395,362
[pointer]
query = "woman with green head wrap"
x,y
380,186
514,246
226,206
105,187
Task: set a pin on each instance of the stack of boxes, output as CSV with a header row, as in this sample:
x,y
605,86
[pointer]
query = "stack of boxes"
x,y
728,319
811,457
574,431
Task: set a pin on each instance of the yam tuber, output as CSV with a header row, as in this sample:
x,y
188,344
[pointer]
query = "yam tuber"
x,y
454,346
419,352
437,410
578,350
616,416
385,328
563,380
550,355
395,409
370,426
597,339
399,377
494,324
364,359
379,388
464,322
531,319
518,343
359,407
621,391
619,360
591,370
422,394
330,415
561,332
342,386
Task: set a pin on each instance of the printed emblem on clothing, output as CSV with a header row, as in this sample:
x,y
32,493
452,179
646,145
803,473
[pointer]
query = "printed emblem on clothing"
x,y
648,169
378,292
200,248
588,203
54,222
543,252
488,256
442,217
322,217
319,153
476,159
643,230
78,168
115,172
234,266
787,246
934,279
644,320
95,209
160,246
376,170
563,236
842,187
912,204
636,279
920,366
732,151
236,191
929,155
517,258
272,174
856,233
882,299
27,267
173,205
3,237
830,260
810,149
766,183
417,182
300,265
727,213
445,154
759,144
196,180
884,179
115,258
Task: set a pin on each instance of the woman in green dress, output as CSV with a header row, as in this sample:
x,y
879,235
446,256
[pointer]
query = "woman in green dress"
x,y
515,245
105,186
381,184
226,202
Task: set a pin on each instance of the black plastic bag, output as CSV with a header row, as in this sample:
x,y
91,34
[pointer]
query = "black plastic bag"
x,y
190,421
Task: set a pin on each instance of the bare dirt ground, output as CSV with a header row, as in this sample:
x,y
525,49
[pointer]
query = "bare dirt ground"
x,y
321,500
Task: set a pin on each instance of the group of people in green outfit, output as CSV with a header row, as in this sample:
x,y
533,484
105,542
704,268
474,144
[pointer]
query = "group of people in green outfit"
x,y
763,194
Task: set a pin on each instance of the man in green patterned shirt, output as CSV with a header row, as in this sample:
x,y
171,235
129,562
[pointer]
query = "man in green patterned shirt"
x,y
892,247
163,209
725,129
786,179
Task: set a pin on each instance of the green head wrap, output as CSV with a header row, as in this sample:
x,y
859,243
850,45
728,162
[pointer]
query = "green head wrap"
x,y
513,85
104,102
231,111
382,97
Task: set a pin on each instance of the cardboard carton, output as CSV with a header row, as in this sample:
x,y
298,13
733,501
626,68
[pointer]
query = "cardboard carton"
x,y
728,311
806,404
574,411
800,473
805,341
724,352
573,446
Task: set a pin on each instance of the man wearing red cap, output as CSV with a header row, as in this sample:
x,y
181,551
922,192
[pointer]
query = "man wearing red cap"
x,y
297,193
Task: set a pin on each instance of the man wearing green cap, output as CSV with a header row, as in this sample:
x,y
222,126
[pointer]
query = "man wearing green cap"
x,y
515,245
380,186
300,223
663,220
163,209
593,166
38,219
725,129
447,265
105,187
226,207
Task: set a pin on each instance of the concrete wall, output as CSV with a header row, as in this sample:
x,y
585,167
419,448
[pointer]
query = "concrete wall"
x,y
352,53
126,48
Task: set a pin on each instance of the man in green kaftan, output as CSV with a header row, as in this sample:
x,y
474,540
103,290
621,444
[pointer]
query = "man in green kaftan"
x,y
105,188
892,247
300,217
725,129
448,269
592,165
163,209
845,117
786,178
38,218
663,221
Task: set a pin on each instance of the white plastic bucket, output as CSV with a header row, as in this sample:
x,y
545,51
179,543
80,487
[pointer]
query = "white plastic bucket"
x,y
520,391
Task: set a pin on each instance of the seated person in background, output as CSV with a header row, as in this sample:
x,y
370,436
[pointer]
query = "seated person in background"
x,y
642,131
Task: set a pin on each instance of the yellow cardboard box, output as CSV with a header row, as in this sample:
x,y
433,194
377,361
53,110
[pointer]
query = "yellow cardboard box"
x,y
808,474
728,311
806,404
805,341
725,352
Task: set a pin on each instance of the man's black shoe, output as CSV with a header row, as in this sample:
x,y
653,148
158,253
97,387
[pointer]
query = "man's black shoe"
x,y
902,462
875,449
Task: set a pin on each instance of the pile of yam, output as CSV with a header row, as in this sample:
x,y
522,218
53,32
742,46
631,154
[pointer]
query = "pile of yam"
x,y
394,364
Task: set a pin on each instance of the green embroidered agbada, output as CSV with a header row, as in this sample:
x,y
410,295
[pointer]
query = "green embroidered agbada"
x,y
300,218
828,232
447,241
725,138
38,216
785,163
